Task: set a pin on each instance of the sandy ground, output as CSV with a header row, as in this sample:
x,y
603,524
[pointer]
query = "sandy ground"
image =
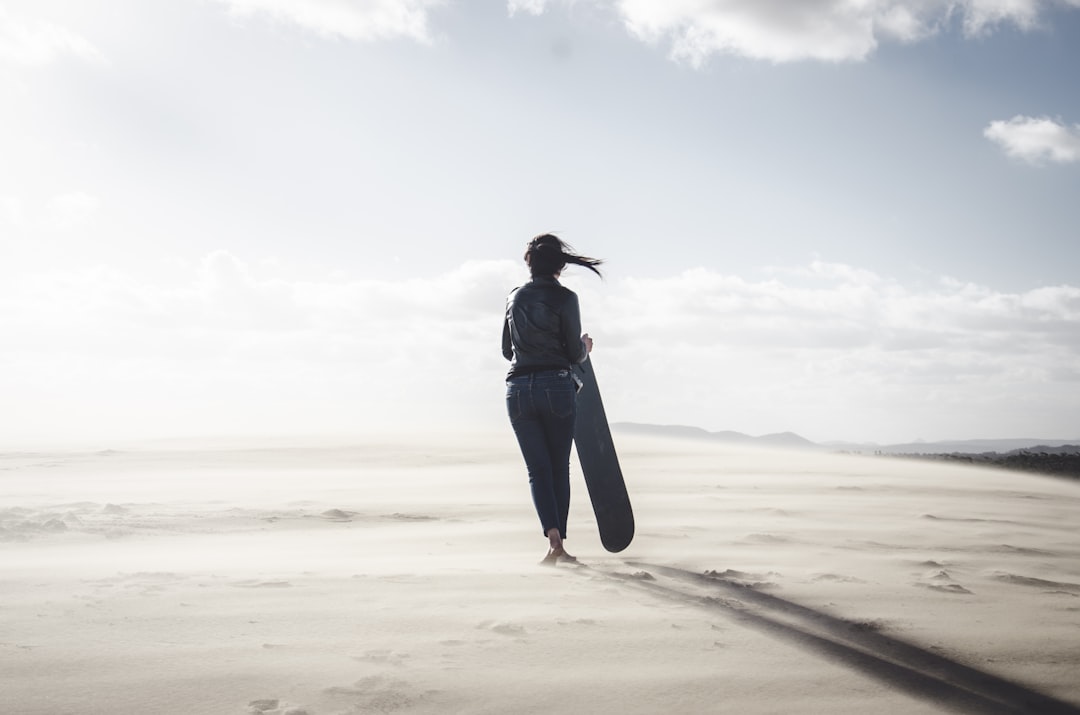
x,y
402,576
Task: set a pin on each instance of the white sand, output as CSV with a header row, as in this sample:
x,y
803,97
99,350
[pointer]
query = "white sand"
x,y
403,577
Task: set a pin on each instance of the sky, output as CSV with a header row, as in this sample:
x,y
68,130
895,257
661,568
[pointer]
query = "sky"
x,y
850,220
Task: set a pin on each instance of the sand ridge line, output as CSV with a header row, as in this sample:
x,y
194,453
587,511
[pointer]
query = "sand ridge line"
x,y
1040,583
904,666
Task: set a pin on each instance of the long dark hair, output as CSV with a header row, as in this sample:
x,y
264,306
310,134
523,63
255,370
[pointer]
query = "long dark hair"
x,y
547,254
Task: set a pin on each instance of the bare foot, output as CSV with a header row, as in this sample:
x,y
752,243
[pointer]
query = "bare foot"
x,y
556,552
558,556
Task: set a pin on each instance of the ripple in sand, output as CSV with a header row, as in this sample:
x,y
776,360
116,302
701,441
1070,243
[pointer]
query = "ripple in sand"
x,y
642,576
262,584
766,539
744,576
1058,586
338,515
396,516
836,578
1023,550
383,656
953,588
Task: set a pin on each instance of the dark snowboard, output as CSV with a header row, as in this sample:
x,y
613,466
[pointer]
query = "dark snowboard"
x,y
600,465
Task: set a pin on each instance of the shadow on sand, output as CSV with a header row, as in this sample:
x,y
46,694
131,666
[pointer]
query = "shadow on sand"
x,y
906,667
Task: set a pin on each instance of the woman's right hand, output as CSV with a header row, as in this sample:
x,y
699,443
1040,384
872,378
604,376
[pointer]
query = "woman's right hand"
x,y
588,343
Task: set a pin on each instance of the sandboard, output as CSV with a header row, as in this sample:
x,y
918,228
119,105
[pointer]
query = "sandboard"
x,y
600,465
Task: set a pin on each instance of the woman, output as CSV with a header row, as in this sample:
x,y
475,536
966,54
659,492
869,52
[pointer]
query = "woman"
x,y
542,340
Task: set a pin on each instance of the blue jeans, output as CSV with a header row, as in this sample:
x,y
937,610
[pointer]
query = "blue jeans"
x,y
542,408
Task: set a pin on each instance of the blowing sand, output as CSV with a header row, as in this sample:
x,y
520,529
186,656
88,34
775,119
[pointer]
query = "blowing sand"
x,y
402,576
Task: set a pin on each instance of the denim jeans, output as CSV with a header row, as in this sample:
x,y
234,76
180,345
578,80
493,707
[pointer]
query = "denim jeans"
x,y
542,407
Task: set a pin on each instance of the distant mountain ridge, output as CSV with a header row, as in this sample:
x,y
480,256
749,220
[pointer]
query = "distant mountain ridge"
x,y
790,440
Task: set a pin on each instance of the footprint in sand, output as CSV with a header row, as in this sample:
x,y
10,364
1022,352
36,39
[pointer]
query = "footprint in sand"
x,y
273,706
379,694
505,629
382,656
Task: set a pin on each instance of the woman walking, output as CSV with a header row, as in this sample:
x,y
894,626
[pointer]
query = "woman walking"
x,y
542,339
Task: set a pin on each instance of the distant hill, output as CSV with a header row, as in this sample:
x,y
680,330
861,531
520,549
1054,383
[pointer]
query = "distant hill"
x,y
786,440
790,440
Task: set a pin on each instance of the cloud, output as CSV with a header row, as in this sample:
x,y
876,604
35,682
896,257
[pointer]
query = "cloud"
x,y
41,43
836,308
777,31
356,20
232,349
530,7
797,30
834,351
831,350
1036,139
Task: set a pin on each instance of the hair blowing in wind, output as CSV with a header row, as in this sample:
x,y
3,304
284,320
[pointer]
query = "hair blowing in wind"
x,y
548,254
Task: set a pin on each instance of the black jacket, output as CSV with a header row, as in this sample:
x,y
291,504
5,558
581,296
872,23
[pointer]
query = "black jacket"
x,y
542,327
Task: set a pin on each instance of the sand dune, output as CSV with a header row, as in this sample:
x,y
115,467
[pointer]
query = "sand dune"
x,y
402,576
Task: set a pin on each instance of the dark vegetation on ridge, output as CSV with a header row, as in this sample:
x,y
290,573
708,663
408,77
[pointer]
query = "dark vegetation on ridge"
x,y
1061,461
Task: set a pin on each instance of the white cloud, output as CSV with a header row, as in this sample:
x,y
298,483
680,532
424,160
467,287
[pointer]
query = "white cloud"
x,y
768,30
833,351
833,307
232,350
829,350
1036,139
358,20
40,43
530,7
824,30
